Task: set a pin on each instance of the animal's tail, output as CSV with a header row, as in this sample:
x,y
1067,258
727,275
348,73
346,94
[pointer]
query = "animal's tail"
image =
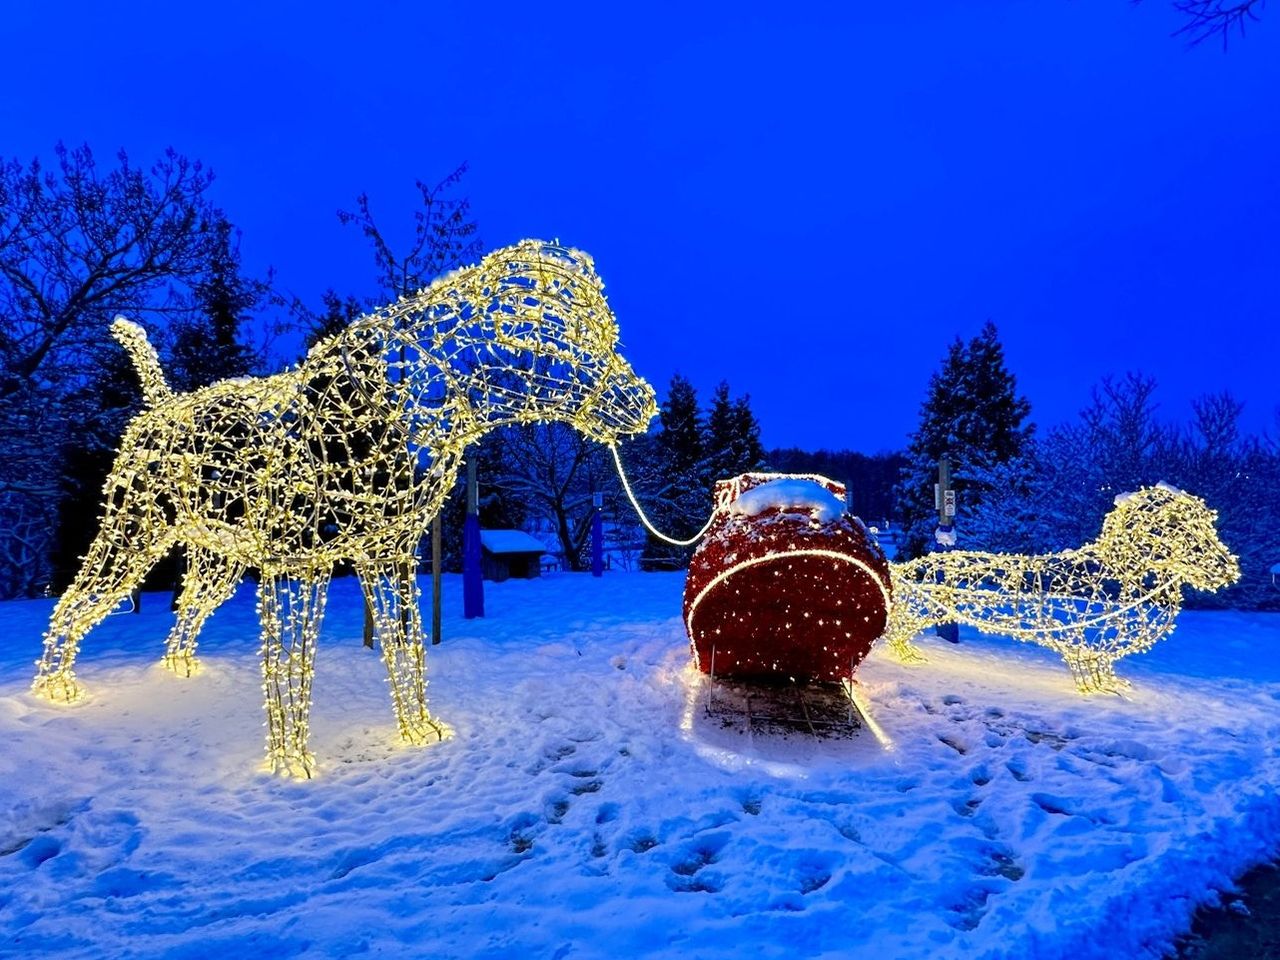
x,y
134,340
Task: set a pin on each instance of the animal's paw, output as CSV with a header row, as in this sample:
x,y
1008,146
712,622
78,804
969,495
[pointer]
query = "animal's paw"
x,y
58,687
1096,674
298,764
907,652
182,664
421,729
1110,684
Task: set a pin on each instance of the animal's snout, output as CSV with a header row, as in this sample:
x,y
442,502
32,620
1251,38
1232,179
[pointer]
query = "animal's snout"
x,y
1223,569
625,405
638,401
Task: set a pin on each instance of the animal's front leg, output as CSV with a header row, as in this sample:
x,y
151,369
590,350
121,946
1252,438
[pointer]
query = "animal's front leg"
x,y
392,593
900,644
1094,671
905,623
291,613
209,582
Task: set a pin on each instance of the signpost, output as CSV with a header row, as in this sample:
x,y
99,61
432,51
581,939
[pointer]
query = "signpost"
x,y
945,501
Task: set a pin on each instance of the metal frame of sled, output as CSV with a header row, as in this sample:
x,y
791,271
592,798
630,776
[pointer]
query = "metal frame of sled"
x,y
824,711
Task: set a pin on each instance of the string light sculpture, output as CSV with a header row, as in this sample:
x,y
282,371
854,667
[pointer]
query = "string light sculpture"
x,y
1110,598
346,457
786,585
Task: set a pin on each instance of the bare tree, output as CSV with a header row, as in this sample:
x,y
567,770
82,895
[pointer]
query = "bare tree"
x,y
77,245
444,237
555,473
1206,19
1211,18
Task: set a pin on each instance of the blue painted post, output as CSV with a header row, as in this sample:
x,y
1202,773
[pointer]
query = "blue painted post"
x,y
597,536
472,580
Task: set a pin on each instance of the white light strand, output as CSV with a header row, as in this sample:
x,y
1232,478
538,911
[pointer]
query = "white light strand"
x,y
640,510
777,556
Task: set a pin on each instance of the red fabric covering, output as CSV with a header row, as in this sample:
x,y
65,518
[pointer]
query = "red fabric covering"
x,y
773,610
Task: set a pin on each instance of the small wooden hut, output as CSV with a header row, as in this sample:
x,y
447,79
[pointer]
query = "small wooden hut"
x,y
510,553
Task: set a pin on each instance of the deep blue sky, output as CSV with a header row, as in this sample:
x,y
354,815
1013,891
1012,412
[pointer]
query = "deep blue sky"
x,y
809,207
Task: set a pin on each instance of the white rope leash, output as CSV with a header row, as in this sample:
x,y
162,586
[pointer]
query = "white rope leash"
x,y
617,460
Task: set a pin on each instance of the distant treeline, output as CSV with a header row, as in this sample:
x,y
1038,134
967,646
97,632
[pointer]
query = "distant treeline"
x,y
870,478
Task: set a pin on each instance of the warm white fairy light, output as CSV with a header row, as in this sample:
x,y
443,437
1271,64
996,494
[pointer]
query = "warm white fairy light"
x,y
781,557
347,457
1115,596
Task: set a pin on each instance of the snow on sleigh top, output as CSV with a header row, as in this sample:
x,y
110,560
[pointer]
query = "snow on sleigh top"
x,y
785,584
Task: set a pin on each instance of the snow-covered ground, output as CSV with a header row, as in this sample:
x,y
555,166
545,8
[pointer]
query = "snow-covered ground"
x,y
585,807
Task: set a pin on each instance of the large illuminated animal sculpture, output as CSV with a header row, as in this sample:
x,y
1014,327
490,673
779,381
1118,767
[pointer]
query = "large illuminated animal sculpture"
x,y
347,457
1115,596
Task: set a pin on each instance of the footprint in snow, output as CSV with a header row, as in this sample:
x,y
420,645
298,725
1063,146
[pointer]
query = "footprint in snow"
x,y
607,813
520,834
556,810
36,850
686,872
640,841
969,910
999,861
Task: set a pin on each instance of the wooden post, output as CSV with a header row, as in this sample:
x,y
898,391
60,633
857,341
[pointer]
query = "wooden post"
x,y
179,577
368,622
436,543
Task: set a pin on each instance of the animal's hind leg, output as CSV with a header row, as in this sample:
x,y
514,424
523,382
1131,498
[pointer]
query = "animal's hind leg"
x,y
291,616
111,570
209,582
392,592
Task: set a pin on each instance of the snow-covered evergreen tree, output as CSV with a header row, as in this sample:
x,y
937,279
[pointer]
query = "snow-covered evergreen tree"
x,y
677,499
208,344
732,439
1056,494
974,416
689,453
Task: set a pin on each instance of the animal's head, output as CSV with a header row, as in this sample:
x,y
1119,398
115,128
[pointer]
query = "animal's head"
x,y
1164,531
530,329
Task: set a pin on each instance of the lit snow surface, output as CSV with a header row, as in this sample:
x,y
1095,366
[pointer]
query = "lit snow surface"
x,y
789,493
586,808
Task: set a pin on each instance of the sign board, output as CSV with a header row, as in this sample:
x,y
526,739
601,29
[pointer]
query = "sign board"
x,y
949,503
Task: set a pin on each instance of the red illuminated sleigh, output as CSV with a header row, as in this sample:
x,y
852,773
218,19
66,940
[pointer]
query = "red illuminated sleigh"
x,y
786,587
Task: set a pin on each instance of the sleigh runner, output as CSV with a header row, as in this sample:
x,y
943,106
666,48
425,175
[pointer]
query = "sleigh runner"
x,y
781,706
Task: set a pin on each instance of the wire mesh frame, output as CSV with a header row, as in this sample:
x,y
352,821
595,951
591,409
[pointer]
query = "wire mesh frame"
x,y
1110,598
345,458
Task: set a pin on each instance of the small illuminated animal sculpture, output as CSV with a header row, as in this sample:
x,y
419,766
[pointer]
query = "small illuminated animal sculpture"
x,y
1115,596
347,457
